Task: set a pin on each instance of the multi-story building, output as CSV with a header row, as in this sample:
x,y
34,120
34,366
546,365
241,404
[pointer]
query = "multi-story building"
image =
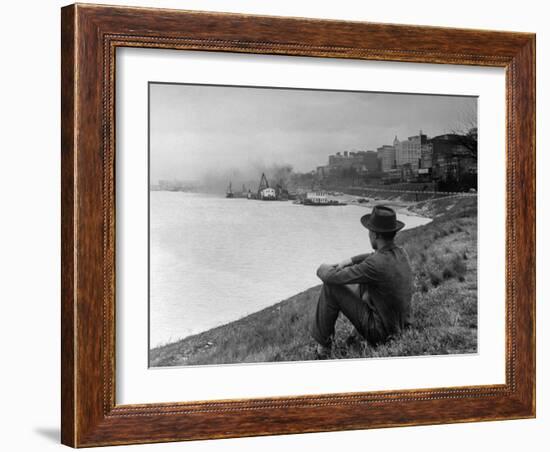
x,y
451,159
370,159
426,156
362,161
386,156
409,151
340,160
323,171
440,158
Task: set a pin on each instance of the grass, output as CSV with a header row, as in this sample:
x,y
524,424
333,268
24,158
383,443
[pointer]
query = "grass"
x,y
443,255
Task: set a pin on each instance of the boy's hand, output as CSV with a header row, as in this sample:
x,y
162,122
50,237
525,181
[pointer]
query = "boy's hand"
x,y
324,269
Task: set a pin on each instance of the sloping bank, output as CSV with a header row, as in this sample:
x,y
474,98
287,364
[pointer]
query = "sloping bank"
x,y
444,258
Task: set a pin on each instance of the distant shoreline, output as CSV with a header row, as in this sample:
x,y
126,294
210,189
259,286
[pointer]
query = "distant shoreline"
x,y
402,206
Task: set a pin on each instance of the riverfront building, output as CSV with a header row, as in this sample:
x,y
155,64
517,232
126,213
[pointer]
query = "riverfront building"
x,y
446,158
426,156
386,157
363,162
409,151
451,159
370,161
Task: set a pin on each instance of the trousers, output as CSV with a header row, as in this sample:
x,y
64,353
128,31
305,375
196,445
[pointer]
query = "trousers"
x,y
336,298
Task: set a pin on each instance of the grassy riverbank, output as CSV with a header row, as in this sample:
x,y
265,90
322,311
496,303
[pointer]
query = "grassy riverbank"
x,y
444,258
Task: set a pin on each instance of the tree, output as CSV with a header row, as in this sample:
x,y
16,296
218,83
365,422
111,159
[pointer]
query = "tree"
x,y
465,129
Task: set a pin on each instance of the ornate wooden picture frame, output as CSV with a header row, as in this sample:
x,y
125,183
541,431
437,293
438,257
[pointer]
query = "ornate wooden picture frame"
x,y
90,36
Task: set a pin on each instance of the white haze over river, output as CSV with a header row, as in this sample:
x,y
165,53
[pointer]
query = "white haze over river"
x,y
214,260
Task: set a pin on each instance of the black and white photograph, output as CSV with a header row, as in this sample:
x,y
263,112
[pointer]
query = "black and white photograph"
x,y
305,224
251,225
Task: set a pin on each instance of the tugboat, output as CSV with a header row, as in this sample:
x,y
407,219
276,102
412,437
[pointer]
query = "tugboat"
x,y
229,192
265,192
320,198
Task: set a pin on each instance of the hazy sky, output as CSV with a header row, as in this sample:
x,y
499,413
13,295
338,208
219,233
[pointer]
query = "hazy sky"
x,y
197,130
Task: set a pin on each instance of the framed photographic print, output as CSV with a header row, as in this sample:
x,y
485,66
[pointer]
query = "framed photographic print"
x,y
281,225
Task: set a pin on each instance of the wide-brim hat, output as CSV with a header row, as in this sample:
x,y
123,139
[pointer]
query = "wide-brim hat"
x,y
382,219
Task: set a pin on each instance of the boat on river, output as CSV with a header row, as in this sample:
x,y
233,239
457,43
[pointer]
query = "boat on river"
x,y
320,198
330,202
229,193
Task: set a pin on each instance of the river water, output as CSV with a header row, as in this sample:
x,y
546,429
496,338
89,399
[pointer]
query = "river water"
x,y
214,260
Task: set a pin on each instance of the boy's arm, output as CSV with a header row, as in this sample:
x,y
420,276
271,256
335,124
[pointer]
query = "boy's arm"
x,y
362,272
359,258
353,260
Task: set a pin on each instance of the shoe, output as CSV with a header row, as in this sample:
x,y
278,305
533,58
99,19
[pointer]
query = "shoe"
x,y
353,339
323,351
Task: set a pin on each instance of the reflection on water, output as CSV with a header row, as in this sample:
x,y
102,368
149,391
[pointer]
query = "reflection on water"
x,y
214,260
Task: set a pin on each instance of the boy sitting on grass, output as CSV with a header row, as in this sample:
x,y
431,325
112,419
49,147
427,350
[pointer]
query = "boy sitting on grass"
x,y
372,290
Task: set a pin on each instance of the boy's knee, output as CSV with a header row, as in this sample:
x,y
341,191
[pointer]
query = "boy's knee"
x,y
328,287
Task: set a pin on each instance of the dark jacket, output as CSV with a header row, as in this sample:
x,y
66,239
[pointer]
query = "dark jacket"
x,y
385,281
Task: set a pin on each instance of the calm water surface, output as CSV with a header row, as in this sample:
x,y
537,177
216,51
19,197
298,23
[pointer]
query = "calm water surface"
x,y
214,260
